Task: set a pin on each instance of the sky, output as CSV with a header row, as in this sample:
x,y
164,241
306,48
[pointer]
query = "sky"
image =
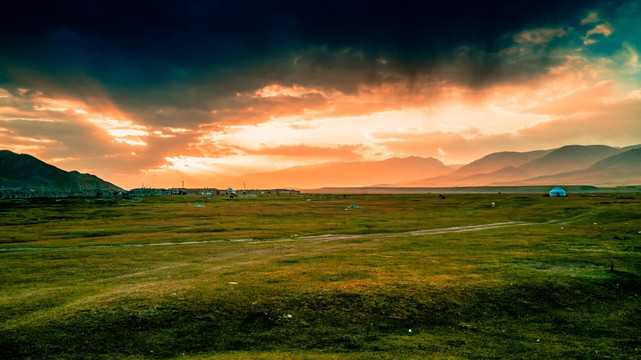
x,y
155,93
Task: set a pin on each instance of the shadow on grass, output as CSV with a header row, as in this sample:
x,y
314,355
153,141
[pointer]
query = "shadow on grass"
x,y
457,320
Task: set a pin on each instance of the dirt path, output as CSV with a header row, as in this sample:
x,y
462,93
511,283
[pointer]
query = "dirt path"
x,y
454,229
313,238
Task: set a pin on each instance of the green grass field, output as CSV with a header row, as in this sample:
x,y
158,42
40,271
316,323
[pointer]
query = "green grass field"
x,y
305,277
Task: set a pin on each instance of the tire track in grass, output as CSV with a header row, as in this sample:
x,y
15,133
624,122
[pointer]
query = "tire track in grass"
x,y
123,284
448,230
311,238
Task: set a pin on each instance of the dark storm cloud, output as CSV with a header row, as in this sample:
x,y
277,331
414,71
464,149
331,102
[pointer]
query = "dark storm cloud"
x,y
187,54
62,137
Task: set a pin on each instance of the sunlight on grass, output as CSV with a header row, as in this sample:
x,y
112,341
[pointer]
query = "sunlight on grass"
x,y
190,286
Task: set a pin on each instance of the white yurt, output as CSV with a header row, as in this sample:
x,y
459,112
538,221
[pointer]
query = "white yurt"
x,y
557,191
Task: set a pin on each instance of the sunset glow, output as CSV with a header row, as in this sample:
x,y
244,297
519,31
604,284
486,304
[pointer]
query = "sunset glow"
x,y
301,95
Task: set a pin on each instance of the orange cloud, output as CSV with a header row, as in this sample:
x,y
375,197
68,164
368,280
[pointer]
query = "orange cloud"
x,y
590,18
344,152
266,104
604,29
268,126
450,147
539,36
611,123
581,100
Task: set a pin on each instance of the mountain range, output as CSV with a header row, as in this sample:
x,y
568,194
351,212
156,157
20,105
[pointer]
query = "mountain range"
x,y
597,165
25,171
355,173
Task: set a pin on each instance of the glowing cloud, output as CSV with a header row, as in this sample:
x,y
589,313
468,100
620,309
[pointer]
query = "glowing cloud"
x,y
539,36
122,131
604,29
220,96
592,17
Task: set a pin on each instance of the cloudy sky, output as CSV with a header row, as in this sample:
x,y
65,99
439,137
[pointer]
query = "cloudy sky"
x,y
154,93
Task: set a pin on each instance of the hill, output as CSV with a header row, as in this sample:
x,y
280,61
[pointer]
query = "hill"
x,y
357,173
508,173
26,171
500,160
620,169
598,165
568,158
496,166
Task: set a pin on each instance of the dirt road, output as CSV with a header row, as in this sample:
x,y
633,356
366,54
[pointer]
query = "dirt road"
x,y
313,238
455,229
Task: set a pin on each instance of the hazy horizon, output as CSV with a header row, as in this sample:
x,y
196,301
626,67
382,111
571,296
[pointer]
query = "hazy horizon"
x,y
158,93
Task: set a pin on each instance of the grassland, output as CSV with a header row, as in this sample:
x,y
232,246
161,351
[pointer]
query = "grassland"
x,y
159,277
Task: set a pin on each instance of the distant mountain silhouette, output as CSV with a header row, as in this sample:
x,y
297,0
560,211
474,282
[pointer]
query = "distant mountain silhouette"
x,y
568,158
508,173
500,160
26,171
597,165
478,179
620,169
630,159
357,173
632,147
490,168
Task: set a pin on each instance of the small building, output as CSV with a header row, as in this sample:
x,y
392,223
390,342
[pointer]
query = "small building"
x,y
557,192
287,192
